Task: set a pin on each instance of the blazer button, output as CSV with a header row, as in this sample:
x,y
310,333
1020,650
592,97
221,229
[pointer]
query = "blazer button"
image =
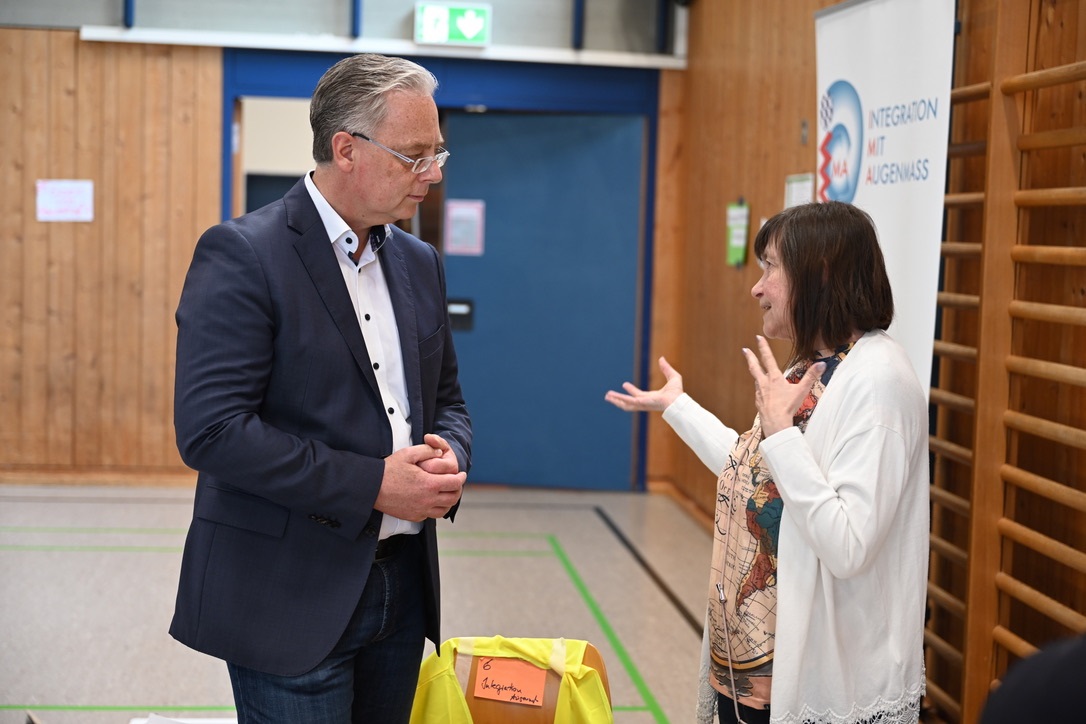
x,y
322,520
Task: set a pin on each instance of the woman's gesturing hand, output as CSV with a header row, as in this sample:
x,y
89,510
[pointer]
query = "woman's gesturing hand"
x,y
638,400
777,399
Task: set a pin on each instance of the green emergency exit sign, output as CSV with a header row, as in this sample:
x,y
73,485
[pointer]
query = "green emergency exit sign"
x,y
452,23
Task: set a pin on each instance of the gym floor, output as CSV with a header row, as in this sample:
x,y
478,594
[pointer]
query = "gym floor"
x,y
90,573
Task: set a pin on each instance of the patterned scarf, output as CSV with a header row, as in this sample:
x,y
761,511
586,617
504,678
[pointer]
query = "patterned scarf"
x,y
749,507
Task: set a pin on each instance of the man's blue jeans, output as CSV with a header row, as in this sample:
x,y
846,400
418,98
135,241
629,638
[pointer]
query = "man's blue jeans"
x,y
370,675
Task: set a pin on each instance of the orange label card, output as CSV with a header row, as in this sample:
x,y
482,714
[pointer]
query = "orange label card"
x,y
511,680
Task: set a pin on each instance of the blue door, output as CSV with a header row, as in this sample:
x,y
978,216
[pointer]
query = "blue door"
x,y
554,295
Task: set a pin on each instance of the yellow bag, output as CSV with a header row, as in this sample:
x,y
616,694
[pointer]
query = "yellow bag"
x,y
575,691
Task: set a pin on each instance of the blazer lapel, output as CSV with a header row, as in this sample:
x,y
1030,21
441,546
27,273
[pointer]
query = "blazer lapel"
x,y
315,250
400,290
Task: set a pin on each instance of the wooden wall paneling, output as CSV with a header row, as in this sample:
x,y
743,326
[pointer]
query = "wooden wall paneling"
x,y
237,162
184,180
90,161
86,329
207,141
35,323
206,164
61,273
125,272
108,434
156,401
706,280
990,443
749,85
669,250
13,181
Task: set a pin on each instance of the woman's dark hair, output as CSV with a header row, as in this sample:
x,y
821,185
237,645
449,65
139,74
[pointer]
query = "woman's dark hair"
x,y
830,254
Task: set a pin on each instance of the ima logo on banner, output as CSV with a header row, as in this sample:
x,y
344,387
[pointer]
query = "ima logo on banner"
x,y
840,119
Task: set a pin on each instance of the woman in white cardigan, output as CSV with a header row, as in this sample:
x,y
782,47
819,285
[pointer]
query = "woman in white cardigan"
x,y
817,588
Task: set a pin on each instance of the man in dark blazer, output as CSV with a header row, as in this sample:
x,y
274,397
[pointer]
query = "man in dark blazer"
x,y
317,396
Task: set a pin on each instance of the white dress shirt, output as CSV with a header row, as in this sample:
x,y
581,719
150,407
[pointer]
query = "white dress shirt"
x,y
365,283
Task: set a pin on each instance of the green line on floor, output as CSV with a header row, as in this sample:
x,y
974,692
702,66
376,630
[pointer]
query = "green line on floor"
x,y
156,709
609,632
481,553
92,531
93,549
492,534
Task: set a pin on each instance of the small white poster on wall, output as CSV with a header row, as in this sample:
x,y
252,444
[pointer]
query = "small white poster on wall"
x,y
65,200
798,189
464,227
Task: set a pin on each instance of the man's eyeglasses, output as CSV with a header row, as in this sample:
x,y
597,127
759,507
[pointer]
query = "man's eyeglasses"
x,y
418,165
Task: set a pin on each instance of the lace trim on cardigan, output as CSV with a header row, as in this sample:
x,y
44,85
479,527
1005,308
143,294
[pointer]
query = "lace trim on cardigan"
x,y
903,711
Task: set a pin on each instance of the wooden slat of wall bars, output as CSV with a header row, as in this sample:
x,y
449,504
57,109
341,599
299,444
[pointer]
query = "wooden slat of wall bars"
x,y
953,400
1071,557
1056,492
1056,255
960,248
945,703
1038,601
1035,80
1072,196
949,501
1013,643
949,602
955,299
1000,229
1058,138
952,350
950,450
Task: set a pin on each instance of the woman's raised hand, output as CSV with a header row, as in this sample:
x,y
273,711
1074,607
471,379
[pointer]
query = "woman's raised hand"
x,y
777,399
638,400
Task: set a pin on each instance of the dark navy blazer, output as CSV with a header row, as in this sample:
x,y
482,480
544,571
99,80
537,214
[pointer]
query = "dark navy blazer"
x,y
277,408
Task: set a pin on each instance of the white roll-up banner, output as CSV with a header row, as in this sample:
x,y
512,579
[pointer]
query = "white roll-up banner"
x,y
884,78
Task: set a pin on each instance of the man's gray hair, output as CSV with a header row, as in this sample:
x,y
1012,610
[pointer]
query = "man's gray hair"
x,y
351,96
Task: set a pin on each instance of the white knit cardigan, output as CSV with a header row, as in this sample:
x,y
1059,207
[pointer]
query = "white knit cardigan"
x,y
853,549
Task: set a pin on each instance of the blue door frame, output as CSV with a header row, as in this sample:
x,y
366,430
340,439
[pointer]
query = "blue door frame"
x,y
497,85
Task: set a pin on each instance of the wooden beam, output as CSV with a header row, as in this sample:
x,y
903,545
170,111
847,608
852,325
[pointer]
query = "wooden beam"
x,y
1013,29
